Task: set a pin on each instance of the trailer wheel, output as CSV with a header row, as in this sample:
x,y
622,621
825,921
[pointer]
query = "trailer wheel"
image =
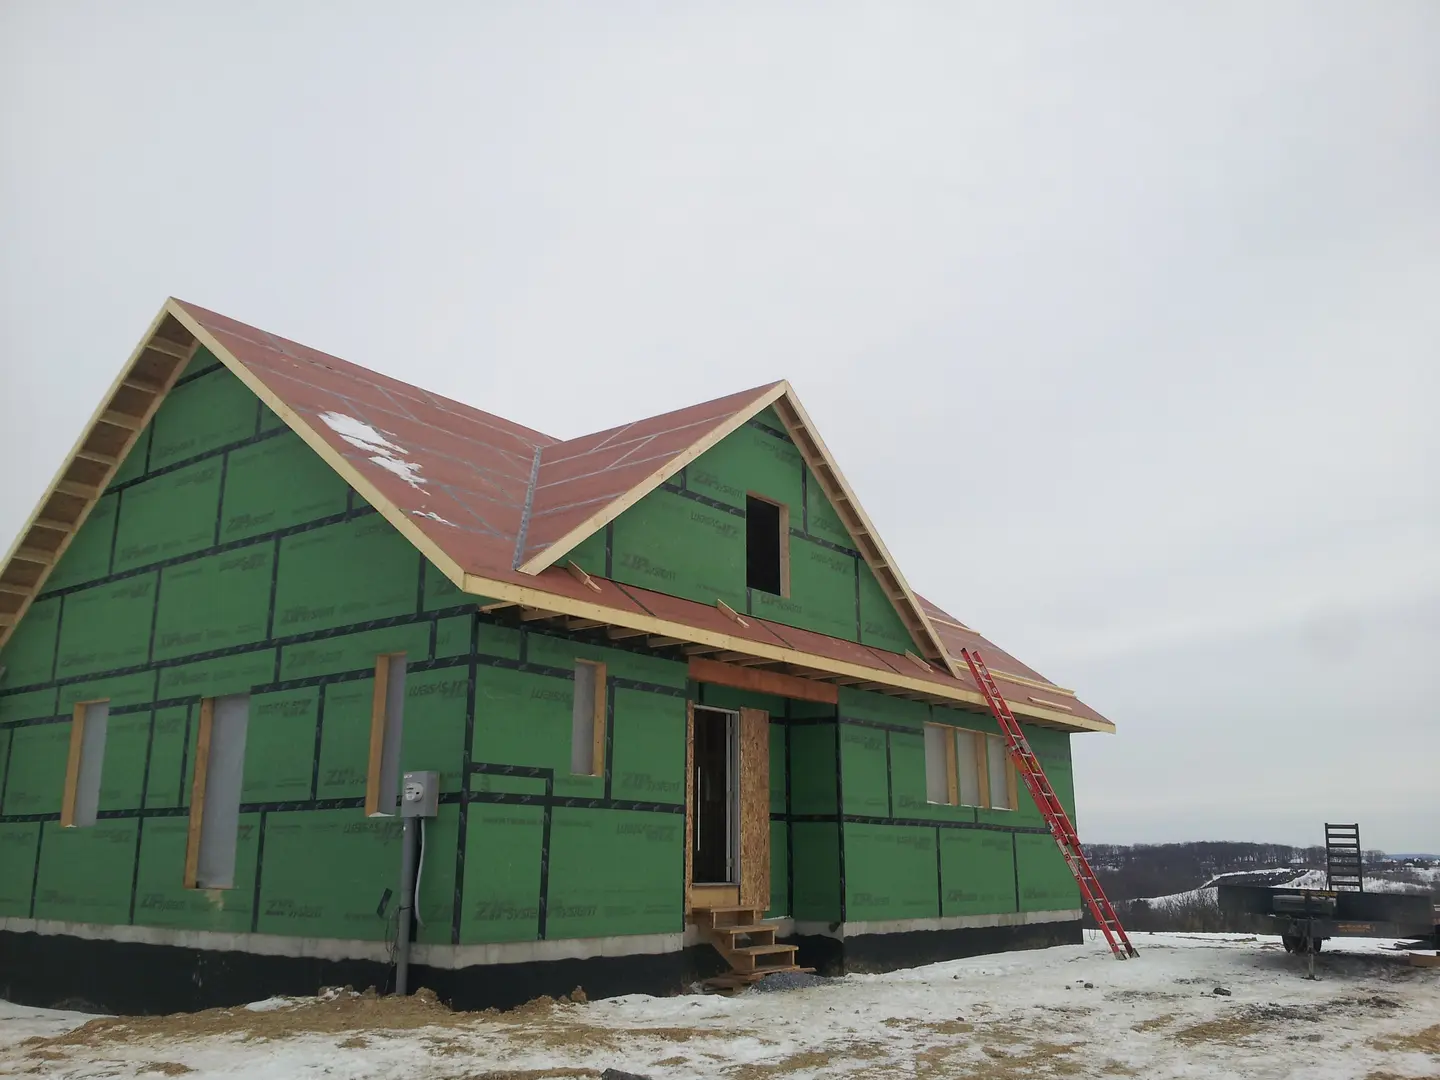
x,y
1292,942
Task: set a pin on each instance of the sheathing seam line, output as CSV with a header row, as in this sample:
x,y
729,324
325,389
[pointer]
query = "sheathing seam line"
x,y
924,823
462,834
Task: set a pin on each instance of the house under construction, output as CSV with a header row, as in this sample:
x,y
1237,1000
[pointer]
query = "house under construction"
x,y
686,717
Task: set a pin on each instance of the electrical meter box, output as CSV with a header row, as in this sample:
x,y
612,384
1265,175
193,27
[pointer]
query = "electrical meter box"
x,y
420,794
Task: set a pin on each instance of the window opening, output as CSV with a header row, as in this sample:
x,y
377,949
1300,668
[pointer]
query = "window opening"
x,y
766,546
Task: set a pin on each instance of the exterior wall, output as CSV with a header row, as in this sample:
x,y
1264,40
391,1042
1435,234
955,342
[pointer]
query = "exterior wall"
x,y
687,539
866,847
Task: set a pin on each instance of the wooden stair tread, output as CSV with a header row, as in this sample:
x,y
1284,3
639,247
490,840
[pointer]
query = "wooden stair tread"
x,y
756,950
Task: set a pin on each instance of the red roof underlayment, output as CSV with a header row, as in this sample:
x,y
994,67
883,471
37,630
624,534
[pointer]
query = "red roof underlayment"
x,y
490,495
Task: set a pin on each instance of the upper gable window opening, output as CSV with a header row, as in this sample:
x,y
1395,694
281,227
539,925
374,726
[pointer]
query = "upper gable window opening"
x,y
767,545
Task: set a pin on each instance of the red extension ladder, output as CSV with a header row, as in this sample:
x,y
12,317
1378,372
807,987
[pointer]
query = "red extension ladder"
x,y
1044,795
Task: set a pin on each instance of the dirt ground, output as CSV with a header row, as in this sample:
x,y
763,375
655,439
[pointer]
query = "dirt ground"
x,y
1064,1012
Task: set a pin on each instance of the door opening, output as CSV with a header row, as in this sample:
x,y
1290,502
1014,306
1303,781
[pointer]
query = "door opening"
x,y
716,748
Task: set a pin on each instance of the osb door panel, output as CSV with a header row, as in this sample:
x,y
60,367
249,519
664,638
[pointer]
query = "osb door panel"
x,y
689,800
754,808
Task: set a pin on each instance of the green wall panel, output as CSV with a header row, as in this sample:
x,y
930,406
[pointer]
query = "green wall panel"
x,y
160,896
122,770
435,895
106,627
648,763
214,410
589,554
85,873
137,688
678,546
167,757
36,783
29,656
30,705
749,460
325,871
779,870
821,518
689,548
441,592
354,652
812,769
777,768
88,556
347,573
502,641
891,872
452,636
275,484
168,516
816,857
822,592
280,746
864,771
269,420
563,652
907,781
524,719
615,872
433,735
213,603
977,871
502,874
864,705
1046,883
236,674
134,464
345,739
17,867
880,623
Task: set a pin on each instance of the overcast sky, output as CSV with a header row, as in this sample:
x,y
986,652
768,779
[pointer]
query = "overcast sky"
x,y
1122,324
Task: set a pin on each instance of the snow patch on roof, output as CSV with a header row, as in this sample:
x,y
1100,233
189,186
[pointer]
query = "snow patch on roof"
x,y
433,517
382,451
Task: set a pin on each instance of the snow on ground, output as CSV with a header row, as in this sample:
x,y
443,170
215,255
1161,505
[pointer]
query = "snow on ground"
x,y
1067,1011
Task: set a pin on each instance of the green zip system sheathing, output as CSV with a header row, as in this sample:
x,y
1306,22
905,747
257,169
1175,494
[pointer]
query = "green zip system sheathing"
x,y
687,539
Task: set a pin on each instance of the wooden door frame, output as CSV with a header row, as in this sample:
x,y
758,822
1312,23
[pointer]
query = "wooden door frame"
x,y
751,886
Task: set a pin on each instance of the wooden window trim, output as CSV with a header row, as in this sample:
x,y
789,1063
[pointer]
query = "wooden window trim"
x,y
72,762
197,790
982,766
597,720
376,760
784,539
952,771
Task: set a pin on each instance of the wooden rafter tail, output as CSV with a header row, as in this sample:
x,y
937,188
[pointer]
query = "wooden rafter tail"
x,y
127,407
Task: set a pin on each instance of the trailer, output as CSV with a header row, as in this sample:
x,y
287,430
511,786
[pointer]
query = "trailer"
x,y
1306,918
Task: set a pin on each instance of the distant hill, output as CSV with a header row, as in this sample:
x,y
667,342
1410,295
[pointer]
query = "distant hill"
x,y
1133,871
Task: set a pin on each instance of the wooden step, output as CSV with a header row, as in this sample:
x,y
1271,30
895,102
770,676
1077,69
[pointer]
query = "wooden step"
x,y
716,917
737,980
747,959
758,933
